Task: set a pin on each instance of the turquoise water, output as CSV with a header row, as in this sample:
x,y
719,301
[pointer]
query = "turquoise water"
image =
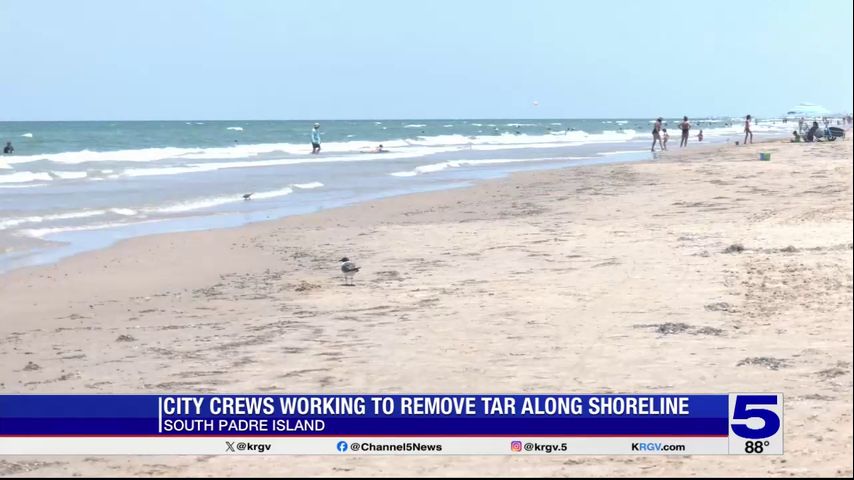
x,y
74,186
57,137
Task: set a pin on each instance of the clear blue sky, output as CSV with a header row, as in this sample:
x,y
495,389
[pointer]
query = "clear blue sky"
x,y
325,59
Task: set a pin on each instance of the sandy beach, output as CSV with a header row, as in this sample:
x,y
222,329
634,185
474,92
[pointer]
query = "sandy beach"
x,y
704,271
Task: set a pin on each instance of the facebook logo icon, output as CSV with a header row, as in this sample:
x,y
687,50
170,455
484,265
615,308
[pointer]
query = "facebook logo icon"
x,y
342,446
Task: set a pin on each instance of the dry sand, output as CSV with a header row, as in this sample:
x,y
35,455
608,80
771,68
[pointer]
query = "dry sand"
x,y
597,279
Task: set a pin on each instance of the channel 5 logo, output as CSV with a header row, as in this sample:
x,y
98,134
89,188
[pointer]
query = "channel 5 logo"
x,y
516,446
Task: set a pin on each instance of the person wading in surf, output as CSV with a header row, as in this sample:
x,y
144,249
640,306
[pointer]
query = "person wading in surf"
x,y
315,139
656,134
686,127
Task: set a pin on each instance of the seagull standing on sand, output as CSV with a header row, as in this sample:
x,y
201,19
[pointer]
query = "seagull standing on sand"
x,y
349,269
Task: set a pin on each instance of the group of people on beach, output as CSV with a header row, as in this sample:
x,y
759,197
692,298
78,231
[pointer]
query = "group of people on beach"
x,y
815,133
660,135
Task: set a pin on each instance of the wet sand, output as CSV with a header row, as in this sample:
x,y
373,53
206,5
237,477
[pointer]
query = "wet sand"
x,y
704,271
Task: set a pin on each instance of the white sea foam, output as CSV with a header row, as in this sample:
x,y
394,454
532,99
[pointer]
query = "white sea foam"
x,y
198,204
179,207
167,153
23,177
123,211
157,171
308,186
68,175
43,232
356,157
414,125
620,152
507,140
236,129
15,221
211,166
28,135
273,193
438,167
29,185
210,202
138,155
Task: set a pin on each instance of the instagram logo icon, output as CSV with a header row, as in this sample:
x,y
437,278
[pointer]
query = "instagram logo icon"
x,y
516,446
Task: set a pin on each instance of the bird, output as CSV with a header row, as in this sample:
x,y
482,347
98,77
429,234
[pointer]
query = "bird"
x,y
349,269
247,195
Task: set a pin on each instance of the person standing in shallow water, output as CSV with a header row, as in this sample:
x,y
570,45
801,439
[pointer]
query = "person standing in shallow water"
x,y
747,131
686,127
315,139
8,149
656,134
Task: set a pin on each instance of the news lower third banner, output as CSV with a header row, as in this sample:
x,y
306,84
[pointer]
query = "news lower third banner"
x,y
741,423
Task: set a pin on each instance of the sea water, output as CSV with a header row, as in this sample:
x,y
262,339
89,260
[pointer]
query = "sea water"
x,y
70,187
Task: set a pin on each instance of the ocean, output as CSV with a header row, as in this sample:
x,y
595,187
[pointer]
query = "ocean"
x,y
70,187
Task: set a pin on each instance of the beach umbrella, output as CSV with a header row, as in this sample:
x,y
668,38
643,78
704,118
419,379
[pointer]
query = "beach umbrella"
x,y
808,110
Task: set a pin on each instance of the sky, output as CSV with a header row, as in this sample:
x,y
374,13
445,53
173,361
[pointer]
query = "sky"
x,y
384,59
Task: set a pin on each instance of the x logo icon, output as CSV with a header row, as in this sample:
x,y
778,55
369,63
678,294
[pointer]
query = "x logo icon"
x,y
229,446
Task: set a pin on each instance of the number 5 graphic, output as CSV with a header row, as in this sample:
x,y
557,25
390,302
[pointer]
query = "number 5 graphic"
x,y
744,412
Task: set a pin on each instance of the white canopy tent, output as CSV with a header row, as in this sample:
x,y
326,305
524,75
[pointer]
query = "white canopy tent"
x,y
808,110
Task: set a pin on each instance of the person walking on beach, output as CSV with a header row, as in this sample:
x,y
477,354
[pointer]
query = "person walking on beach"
x,y
747,131
700,136
686,127
664,137
656,134
315,139
8,149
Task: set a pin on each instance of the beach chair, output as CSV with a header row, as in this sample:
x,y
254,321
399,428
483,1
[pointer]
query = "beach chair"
x,y
835,132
